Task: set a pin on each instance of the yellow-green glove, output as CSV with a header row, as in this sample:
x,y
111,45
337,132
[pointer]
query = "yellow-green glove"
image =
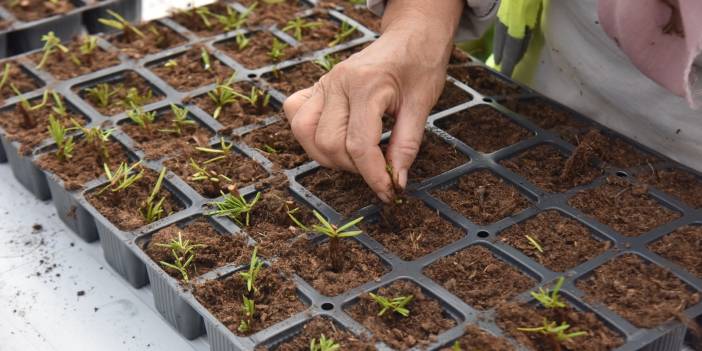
x,y
516,20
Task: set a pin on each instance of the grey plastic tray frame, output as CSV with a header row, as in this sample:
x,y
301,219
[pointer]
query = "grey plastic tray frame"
x,y
178,305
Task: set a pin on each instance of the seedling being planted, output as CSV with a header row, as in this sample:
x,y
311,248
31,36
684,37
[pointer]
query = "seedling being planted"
x,y
223,151
324,344
396,304
64,143
554,332
298,25
252,273
206,60
334,233
98,138
183,253
152,210
344,33
249,311
326,62
223,95
277,50
141,118
551,300
121,178
202,174
118,22
102,94
51,44
234,207
179,121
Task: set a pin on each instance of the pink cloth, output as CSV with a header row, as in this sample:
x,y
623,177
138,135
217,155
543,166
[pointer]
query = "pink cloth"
x,y
667,58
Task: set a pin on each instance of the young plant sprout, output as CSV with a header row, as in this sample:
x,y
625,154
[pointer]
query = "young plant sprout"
x,y
101,94
257,98
269,149
121,178
535,243
5,75
225,149
298,25
51,44
202,174
98,138
324,344
242,41
326,62
141,118
205,15
64,144
206,60
234,207
179,121
118,22
277,50
59,108
171,63
396,304
252,273
233,19
223,95
334,233
456,346
27,109
557,333
88,45
183,255
344,33
152,210
134,99
249,310
550,300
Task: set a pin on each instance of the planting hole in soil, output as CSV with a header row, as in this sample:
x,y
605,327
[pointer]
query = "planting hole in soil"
x,y
317,328
278,144
478,277
485,82
483,128
643,293
549,117
257,49
483,197
625,207
683,247
475,338
678,183
547,168
345,192
32,10
235,105
195,68
410,229
13,74
168,133
119,93
138,41
409,317
558,242
267,13
83,56
209,20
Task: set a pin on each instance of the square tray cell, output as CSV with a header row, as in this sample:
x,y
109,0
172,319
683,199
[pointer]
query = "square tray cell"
x,y
683,247
239,112
76,63
300,337
257,52
483,197
326,33
550,117
484,81
563,243
32,10
273,12
615,151
625,207
360,13
118,93
411,229
451,96
478,277
22,79
475,338
483,128
643,293
551,170
152,38
427,316
682,185
278,144
187,71
344,192
205,20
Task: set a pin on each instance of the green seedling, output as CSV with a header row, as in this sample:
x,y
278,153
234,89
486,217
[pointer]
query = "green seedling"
x,y
26,108
141,118
184,254
88,45
324,344
277,50
242,41
456,346
118,22
357,2
252,273
298,25
101,94
205,14
268,149
152,210
344,33
334,233
396,304
51,44
179,121
551,300
535,243
234,207
64,143
249,311
234,20
206,60
134,98
171,64
223,95
121,178
257,98
202,174
98,138
58,106
557,333
5,75
223,151
326,62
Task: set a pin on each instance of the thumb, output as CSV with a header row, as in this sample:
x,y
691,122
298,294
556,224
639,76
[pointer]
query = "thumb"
x,y
404,143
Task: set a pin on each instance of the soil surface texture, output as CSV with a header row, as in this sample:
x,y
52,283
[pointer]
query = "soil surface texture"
x,y
343,191
613,150
190,72
155,37
267,14
63,66
549,117
278,144
485,82
240,113
484,129
317,327
683,247
678,183
478,339
256,53
32,10
451,96
21,79
119,94
191,20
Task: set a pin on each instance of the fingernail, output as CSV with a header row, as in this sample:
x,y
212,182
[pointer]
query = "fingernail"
x,y
402,178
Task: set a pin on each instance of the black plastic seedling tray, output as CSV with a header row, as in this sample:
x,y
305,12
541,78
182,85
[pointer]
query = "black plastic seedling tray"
x,y
176,302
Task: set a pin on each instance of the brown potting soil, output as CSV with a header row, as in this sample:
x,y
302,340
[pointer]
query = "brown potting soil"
x,y
272,13
625,207
451,96
475,338
120,88
565,242
255,54
240,169
435,157
162,139
358,12
193,22
157,37
61,66
427,318
317,327
323,35
275,300
411,229
32,10
644,294
483,128
343,191
190,73
549,117
22,80
545,167
483,197
85,165
238,114
599,337
123,208
678,183
278,144
613,150
683,247
218,250
478,277
483,81
459,56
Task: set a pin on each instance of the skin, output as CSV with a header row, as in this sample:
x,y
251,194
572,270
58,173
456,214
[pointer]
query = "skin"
x,y
338,120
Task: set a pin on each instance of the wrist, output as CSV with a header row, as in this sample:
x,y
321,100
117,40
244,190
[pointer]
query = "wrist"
x,y
436,19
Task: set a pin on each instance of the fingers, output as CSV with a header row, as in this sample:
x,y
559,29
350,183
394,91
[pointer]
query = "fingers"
x,y
293,103
330,137
305,119
404,143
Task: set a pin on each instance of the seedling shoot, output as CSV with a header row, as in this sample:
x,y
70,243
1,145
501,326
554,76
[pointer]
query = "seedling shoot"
x,y
395,304
183,253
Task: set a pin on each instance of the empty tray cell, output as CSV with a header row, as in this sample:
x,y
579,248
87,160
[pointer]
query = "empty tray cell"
x,y
314,329
549,169
343,191
118,93
258,51
278,144
148,38
451,96
426,318
19,77
484,129
411,230
84,56
683,185
683,247
272,12
208,20
32,10
475,338
625,207
643,293
484,81
615,151
483,197
231,111
192,69
558,242
550,117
